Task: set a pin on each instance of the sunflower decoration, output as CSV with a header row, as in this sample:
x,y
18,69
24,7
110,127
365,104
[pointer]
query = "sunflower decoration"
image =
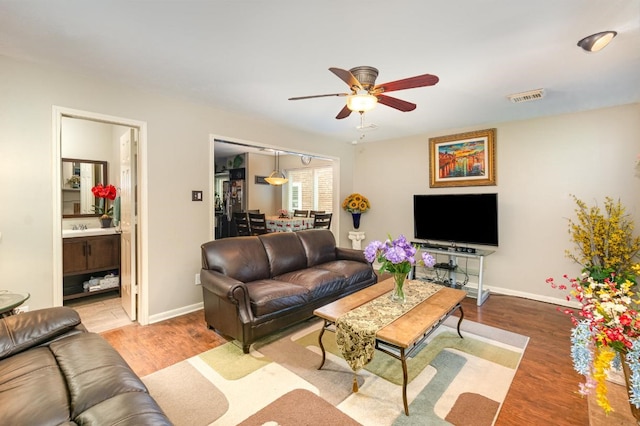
x,y
356,203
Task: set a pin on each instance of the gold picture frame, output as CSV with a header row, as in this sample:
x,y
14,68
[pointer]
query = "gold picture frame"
x,y
465,159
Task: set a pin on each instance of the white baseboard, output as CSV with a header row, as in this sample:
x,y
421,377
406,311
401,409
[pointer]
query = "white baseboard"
x,y
525,295
175,313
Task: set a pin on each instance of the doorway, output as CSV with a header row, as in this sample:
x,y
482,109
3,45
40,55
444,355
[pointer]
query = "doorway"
x,y
124,150
316,176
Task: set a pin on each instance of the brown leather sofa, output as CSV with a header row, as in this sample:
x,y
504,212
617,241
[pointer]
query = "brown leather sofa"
x,y
253,286
53,372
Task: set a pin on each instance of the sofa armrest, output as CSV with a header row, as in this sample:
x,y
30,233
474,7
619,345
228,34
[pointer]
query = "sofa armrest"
x,y
34,328
229,289
350,254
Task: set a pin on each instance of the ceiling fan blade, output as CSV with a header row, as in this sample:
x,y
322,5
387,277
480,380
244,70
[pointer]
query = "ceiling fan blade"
x,y
347,77
317,96
344,113
396,103
407,83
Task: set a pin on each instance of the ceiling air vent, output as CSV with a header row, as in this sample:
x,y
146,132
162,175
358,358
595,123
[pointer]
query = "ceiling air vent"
x,y
531,95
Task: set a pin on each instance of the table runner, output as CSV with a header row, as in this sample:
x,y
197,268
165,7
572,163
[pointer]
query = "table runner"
x,y
356,330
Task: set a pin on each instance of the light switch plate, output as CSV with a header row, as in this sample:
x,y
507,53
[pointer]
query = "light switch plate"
x,y
196,195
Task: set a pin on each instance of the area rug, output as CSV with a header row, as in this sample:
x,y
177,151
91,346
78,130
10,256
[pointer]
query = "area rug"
x,y
452,381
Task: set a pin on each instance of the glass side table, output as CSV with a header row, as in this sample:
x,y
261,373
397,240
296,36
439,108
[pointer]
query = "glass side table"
x,y
9,301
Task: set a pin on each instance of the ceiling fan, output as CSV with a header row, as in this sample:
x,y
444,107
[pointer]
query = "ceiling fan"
x,y
365,94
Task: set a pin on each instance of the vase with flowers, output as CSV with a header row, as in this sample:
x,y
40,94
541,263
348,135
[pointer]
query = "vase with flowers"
x,y
607,326
356,204
397,257
105,194
74,181
282,214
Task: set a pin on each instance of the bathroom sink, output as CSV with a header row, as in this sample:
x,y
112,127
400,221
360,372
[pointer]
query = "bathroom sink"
x,y
90,232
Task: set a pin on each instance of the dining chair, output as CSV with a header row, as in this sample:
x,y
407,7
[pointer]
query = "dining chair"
x,y
253,211
322,220
242,224
315,212
257,223
301,213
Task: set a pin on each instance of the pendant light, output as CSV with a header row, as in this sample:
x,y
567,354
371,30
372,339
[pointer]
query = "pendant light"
x,y
276,177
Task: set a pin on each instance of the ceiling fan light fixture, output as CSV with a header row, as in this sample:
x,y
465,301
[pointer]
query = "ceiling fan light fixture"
x,y
361,102
598,41
276,178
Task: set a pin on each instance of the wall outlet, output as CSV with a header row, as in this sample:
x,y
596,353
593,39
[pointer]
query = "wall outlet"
x,y
198,279
21,309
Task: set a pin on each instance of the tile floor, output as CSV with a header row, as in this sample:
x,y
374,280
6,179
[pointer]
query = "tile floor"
x,y
101,312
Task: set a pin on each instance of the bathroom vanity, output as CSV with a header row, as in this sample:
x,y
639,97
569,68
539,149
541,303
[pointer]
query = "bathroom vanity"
x,y
87,254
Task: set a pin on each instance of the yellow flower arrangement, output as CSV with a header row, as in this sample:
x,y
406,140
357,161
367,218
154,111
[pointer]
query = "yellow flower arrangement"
x,y
603,241
356,203
609,332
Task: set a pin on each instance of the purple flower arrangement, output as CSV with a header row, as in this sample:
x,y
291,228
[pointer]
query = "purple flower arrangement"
x,y
396,256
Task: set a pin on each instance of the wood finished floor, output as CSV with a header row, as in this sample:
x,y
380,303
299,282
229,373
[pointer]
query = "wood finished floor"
x,y
543,391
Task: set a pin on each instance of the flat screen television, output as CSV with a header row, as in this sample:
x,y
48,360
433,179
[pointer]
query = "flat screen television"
x,y
456,218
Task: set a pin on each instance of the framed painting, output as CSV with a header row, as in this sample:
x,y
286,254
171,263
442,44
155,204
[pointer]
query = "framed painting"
x,y
465,159
261,180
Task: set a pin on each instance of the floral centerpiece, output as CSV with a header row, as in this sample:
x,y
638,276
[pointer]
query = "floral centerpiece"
x,y
104,193
607,327
397,257
282,213
356,204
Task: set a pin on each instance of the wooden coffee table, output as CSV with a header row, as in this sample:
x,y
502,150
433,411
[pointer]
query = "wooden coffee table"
x,y
403,336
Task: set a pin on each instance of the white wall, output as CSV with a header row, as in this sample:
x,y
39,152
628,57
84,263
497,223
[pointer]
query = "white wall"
x,y
262,197
178,162
539,164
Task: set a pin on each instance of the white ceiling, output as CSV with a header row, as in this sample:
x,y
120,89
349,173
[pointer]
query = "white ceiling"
x,y
250,56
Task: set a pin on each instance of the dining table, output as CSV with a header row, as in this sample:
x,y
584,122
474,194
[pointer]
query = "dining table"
x,y
288,224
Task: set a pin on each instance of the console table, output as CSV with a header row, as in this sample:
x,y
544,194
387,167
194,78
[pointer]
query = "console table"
x,y
452,266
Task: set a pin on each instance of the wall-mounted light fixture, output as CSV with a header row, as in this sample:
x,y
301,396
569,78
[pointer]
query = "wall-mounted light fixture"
x,y
598,41
276,177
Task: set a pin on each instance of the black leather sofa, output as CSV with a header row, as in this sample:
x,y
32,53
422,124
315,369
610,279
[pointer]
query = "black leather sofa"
x,y
253,286
53,372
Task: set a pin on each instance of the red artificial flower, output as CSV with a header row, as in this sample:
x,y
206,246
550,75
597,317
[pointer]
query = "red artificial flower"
x,y
108,191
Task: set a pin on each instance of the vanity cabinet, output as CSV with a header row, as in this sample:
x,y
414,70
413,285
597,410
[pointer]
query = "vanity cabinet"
x,y
84,257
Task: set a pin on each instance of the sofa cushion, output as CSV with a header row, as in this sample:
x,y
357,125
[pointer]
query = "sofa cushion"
x,y
126,409
353,272
319,246
32,389
320,283
94,371
285,252
268,296
241,258
21,332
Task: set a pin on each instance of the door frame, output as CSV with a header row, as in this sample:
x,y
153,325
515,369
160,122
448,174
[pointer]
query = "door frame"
x,y
58,112
213,138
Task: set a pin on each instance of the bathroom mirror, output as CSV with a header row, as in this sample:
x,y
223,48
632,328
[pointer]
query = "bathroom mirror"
x,y
78,177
